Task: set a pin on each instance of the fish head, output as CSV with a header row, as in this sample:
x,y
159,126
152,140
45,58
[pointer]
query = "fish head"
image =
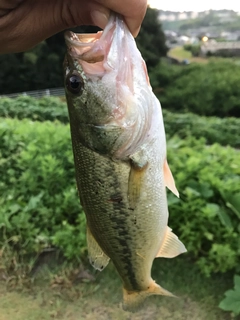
x,y
106,81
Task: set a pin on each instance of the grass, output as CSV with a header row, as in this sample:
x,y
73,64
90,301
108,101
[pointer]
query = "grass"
x,y
68,297
180,53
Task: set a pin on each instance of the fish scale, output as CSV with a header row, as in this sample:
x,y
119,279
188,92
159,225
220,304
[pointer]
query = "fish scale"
x,y
113,224
119,148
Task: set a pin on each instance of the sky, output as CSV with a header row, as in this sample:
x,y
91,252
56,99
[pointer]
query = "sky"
x,y
195,5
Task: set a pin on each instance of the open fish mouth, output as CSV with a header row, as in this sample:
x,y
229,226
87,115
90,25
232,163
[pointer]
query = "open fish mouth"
x,y
91,47
83,46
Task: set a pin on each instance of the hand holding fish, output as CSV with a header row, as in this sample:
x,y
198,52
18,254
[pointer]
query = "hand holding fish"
x,y
25,23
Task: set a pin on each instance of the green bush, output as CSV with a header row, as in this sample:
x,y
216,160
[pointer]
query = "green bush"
x,y
211,89
223,131
38,203
39,206
215,130
207,215
46,108
193,48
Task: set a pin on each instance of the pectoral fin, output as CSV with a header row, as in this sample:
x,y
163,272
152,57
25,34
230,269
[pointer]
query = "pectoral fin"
x,y
136,177
171,246
97,257
169,180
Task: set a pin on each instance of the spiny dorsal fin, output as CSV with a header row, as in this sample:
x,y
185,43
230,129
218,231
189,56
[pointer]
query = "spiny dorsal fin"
x,y
97,257
169,180
171,246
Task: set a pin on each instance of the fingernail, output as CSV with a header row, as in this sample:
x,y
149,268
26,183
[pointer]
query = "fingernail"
x,y
100,18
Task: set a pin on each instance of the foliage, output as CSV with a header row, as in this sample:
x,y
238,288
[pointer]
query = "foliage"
x,y
39,206
151,39
214,130
211,89
184,125
193,48
207,177
46,108
231,302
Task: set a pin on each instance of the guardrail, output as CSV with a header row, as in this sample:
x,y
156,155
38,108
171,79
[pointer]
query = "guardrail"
x,y
37,93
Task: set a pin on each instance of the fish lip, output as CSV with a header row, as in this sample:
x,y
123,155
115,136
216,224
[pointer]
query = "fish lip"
x,y
71,38
81,39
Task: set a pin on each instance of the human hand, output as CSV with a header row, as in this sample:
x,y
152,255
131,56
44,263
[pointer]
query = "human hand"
x,y
25,23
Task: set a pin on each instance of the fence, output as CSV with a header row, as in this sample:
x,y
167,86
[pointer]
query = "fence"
x,y
37,93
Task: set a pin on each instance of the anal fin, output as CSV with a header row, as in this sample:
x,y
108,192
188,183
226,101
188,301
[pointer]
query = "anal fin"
x,y
171,246
97,257
169,180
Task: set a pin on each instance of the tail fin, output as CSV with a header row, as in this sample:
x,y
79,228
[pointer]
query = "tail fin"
x,y
132,300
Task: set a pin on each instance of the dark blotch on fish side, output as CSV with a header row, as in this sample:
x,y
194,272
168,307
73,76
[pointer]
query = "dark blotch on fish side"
x,y
116,198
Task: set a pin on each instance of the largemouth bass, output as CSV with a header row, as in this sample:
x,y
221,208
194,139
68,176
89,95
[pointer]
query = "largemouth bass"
x,y
119,148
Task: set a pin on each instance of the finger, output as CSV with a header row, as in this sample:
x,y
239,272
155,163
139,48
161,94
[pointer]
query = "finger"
x,y
33,21
133,11
7,5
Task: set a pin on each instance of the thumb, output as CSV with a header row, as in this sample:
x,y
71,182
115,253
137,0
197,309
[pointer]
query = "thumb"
x,y
30,22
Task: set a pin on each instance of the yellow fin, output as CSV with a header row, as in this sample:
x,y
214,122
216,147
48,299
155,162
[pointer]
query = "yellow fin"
x,y
97,257
132,300
138,168
171,246
169,180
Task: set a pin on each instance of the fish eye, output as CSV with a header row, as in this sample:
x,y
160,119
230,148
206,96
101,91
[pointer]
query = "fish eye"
x,y
74,83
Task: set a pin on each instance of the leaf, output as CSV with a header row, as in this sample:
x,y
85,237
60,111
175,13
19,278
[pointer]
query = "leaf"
x,y
231,302
14,208
237,282
33,202
232,202
224,218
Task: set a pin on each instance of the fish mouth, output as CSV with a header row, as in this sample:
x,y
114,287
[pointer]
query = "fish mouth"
x,y
81,39
84,46
91,48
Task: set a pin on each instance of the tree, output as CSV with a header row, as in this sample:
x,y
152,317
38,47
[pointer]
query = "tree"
x,y
151,39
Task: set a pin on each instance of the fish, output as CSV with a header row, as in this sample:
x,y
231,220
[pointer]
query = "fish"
x,y
120,157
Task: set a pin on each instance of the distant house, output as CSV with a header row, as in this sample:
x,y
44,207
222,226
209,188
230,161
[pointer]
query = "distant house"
x,y
224,49
230,36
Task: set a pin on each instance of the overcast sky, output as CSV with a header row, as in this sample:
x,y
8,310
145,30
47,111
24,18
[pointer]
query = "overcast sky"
x,y
193,5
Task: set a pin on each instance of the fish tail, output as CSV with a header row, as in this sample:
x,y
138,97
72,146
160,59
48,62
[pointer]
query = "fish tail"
x,y
132,300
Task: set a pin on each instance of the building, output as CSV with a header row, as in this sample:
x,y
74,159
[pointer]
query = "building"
x,y
223,49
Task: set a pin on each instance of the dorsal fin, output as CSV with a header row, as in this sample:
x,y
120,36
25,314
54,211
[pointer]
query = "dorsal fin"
x,y
168,179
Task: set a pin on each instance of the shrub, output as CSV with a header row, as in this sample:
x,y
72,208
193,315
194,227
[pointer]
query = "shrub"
x,y
39,206
46,108
214,130
207,215
182,124
210,89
